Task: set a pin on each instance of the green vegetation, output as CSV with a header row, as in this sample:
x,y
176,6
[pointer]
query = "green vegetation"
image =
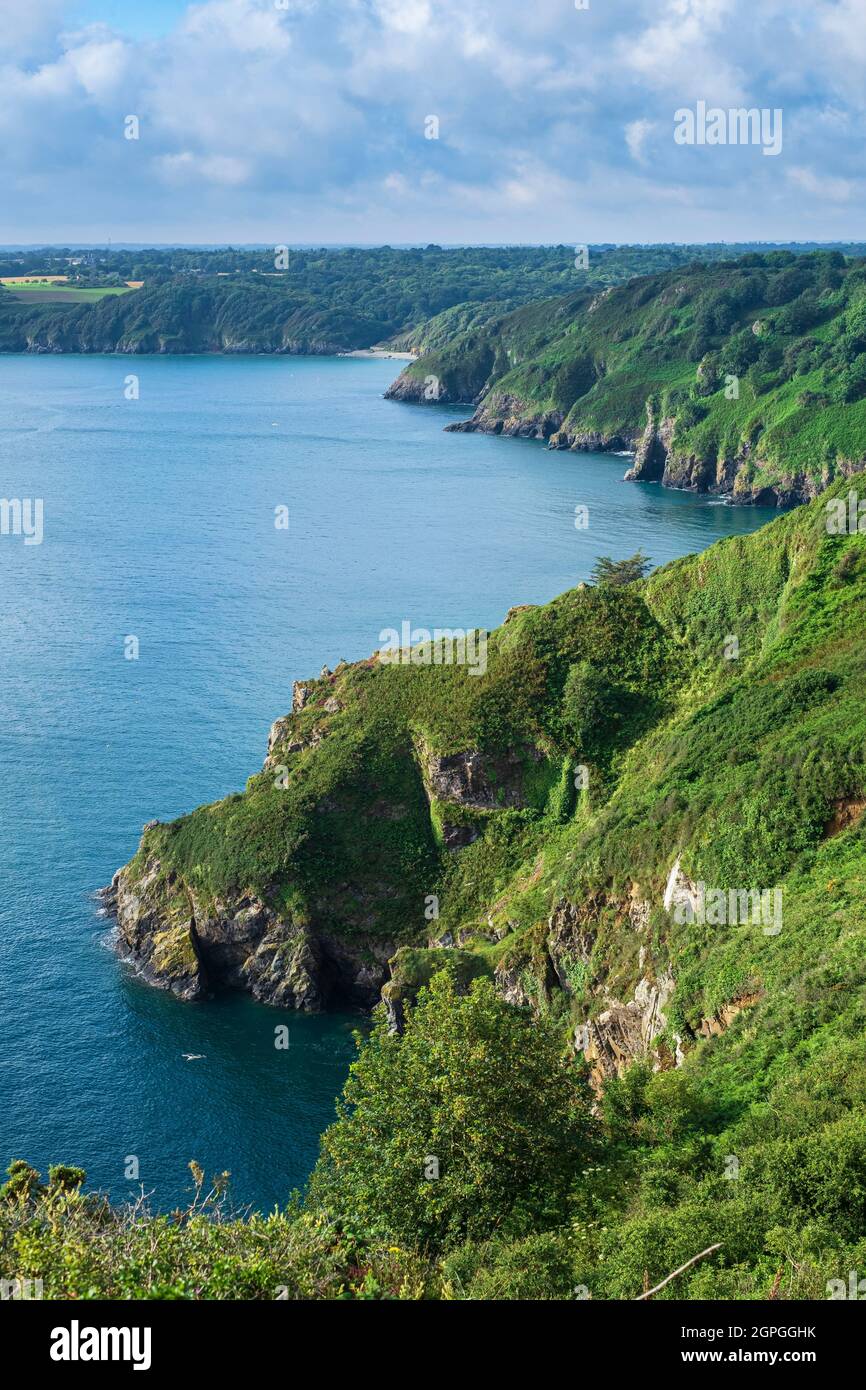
x,y
728,1059
751,374
310,300
36,292
482,1085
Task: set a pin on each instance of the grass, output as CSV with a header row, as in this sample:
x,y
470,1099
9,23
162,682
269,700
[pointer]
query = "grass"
x,y
588,366
743,769
62,294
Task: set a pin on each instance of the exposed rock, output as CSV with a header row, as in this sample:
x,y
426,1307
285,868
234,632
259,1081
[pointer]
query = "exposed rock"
x,y
653,449
846,811
681,892
156,926
512,984
659,460
413,968
500,413
459,836
570,939
179,944
476,782
639,910
279,729
300,695
624,1033
716,1025
285,969
517,610
460,777
410,386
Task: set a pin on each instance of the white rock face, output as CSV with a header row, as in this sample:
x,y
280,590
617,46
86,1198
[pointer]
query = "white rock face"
x,y
680,891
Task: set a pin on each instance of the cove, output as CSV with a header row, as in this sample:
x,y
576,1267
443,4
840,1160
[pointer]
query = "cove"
x,y
159,525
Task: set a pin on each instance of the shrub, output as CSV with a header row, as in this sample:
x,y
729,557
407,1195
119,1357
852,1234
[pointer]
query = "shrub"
x,y
473,1089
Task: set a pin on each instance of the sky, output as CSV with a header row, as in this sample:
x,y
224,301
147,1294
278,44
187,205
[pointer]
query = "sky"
x,y
286,121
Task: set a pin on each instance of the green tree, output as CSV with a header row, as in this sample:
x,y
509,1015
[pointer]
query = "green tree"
x,y
616,572
473,1090
589,708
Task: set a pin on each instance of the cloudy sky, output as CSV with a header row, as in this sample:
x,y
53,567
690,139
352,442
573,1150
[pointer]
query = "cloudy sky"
x,y
281,121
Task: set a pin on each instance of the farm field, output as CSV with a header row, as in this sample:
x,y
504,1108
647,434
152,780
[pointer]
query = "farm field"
x,y
35,281
29,292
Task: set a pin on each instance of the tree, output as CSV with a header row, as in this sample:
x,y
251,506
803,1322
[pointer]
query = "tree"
x,y
589,708
613,573
469,1123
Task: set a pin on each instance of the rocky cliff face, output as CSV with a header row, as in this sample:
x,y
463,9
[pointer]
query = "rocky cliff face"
x,y
504,414
336,949
611,1033
657,457
425,390
178,943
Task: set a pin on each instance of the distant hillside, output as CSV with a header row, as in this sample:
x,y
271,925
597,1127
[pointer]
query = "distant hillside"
x,y
322,301
745,378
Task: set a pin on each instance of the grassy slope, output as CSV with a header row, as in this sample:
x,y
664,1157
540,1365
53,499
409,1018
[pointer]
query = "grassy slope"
x,y
324,301
739,766
672,339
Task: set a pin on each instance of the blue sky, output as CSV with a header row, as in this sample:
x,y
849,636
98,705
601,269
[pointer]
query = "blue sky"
x,y
135,19
305,120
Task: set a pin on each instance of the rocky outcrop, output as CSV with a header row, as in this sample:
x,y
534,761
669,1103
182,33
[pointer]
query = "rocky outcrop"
x,y
653,449
157,928
625,1033
682,896
592,441
657,457
735,476
469,782
480,783
504,414
413,967
426,390
570,940
179,943
721,1021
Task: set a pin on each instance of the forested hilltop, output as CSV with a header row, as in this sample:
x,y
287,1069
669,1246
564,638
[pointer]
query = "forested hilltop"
x,y
746,378
287,300
612,890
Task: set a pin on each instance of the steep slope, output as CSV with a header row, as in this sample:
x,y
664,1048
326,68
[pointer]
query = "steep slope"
x,y
683,933
713,713
644,824
745,378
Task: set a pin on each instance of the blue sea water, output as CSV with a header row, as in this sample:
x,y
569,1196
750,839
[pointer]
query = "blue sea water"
x,y
159,524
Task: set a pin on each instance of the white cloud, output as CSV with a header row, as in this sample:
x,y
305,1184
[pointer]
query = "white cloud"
x,y
214,168
636,133
316,112
820,185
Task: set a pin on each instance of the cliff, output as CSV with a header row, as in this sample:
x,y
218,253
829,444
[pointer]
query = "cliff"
x,y
745,379
545,829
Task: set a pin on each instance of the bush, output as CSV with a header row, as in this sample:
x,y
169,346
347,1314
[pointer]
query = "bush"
x,y
473,1089
589,708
